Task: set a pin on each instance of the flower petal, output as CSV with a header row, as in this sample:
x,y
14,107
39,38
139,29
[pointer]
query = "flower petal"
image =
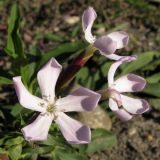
x,y
106,45
120,37
38,129
129,83
113,105
26,99
120,113
114,67
47,78
116,96
123,115
134,106
82,99
112,56
73,131
88,18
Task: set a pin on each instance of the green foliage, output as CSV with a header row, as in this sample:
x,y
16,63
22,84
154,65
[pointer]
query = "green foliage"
x,y
93,76
14,141
153,89
50,36
69,156
27,72
155,78
15,152
142,60
142,4
4,80
101,140
14,43
16,110
64,49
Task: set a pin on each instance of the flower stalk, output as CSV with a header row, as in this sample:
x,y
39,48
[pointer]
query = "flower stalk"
x,y
70,72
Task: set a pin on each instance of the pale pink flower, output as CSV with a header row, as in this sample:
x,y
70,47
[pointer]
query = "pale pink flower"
x,y
107,44
51,108
123,106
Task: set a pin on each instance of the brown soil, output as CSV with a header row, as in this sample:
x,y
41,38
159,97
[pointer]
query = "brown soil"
x,y
137,140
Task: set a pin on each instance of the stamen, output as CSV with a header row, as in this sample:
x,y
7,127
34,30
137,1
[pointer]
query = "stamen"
x,y
51,108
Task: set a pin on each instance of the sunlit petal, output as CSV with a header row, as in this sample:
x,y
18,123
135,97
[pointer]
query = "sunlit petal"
x,y
38,129
82,99
129,83
73,131
134,106
120,37
26,99
47,78
88,18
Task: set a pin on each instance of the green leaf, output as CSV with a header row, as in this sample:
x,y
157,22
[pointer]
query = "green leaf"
x,y
155,78
63,49
14,43
14,141
53,140
82,75
54,37
3,139
50,36
15,152
63,155
105,68
16,110
2,115
153,89
152,66
155,103
101,140
142,60
4,80
3,151
27,71
71,156
35,149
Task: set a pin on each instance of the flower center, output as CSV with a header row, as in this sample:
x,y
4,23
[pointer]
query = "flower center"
x,y
51,108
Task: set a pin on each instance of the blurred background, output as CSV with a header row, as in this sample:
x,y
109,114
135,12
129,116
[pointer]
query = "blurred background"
x,y
49,28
